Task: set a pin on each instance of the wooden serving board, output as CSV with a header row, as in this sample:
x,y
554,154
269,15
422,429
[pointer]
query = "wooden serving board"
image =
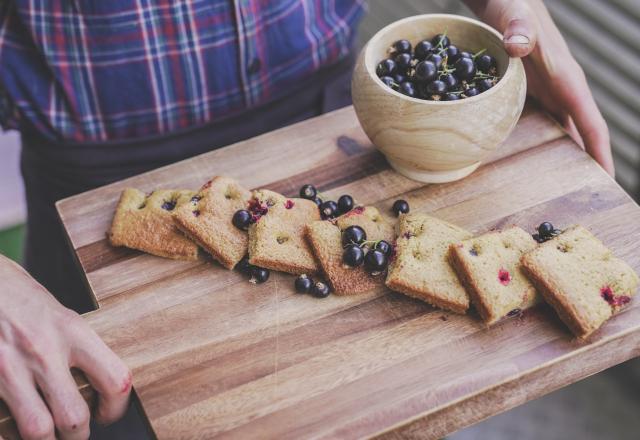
x,y
213,355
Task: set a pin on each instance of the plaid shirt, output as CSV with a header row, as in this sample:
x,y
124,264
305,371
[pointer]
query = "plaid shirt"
x,y
97,70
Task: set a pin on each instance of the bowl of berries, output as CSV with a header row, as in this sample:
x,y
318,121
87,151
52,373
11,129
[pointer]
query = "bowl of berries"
x,y
437,94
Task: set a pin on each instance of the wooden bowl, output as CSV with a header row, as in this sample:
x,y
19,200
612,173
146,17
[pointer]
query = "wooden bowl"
x,y
437,141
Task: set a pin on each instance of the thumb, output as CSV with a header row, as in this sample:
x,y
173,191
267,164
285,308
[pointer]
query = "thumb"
x,y
519,29
519,38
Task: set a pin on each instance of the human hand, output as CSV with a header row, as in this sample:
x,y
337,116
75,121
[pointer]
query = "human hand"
x,y
40,341
554,77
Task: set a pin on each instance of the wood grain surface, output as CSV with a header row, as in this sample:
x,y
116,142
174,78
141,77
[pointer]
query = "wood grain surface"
x,y
213,355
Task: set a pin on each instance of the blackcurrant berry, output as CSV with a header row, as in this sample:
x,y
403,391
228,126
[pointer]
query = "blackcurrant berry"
x,y
384,247
399,78
318,201
375,262
386,67
422,91
241,219
436,59
465,54
400,207
328,209
436,87
303,284
484,85
401,46
345,204
353,234
450,80
259,275
545,229
406,88
388,81
471,91
423,49
465,69
485,63
308,191
169,205
320,290
403,62
243,266
353,255
440,41
451,97
452,53
426,71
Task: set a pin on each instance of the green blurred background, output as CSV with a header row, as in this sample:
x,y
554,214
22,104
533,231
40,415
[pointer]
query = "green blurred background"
x,y
11,241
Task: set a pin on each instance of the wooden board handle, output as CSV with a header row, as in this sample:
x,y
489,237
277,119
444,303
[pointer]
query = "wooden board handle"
x,y
8,429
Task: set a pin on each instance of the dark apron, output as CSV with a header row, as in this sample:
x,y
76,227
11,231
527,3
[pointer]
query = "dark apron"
x,y
53,171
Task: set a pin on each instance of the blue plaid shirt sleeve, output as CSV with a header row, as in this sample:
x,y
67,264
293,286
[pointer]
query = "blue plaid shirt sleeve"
x,y
95,70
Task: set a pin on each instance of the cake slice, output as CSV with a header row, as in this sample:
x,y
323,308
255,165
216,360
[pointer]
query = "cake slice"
x,y
144,222
421,268
489,267
207,219
325,238
581,279
276,238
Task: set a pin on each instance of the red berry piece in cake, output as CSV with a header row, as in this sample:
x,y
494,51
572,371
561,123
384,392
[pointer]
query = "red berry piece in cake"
x,y
614,301
504,276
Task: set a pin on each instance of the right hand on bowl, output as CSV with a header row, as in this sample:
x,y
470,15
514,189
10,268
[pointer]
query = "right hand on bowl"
x,y
554,77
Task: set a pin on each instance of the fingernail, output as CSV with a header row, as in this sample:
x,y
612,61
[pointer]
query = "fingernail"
x,y
517,39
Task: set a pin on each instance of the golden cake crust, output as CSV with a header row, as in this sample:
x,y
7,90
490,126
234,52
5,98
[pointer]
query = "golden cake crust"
x,y
325,238
144,222
276,239
207,219
489,267
421,268
581,279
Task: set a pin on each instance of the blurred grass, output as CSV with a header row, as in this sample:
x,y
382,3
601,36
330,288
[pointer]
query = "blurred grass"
x,y
11,242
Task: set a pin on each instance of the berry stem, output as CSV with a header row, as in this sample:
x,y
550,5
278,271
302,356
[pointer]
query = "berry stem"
x,y
478,53
439,45
374,243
